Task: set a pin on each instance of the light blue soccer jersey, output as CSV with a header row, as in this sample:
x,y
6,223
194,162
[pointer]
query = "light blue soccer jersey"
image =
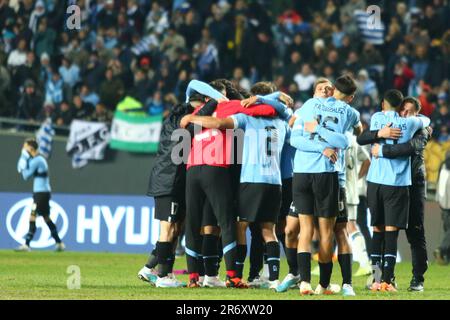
x,y
35,167
394,172
264,139
335,117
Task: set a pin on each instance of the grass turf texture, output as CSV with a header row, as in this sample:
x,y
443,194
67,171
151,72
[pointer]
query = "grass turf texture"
x,y
42,275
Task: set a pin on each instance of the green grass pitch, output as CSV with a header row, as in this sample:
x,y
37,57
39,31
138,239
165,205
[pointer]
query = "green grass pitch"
x,y
43,275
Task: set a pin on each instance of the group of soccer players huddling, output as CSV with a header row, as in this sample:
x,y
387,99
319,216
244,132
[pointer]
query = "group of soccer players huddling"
x,y
231,160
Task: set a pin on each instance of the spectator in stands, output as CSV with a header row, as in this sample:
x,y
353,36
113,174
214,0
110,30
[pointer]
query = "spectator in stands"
x,y
69,72
111,90
81,110
305,80
30,102
18,56
63,114
156,104
45,72
44,39
440,121
240,79
88,96
102,114
442,253
366,86
403,74
54,89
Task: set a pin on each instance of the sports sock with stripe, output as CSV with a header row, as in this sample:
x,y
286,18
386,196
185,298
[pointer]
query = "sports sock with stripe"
x,y
241,255
390,255
273,259
210,254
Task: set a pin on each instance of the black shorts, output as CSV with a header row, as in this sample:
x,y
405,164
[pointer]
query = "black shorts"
x,y
259,202
316,194
41,203
389,205
286,198
342,206
171,208
208,217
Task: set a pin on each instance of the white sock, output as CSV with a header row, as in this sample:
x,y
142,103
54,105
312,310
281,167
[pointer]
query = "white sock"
x,y
359,249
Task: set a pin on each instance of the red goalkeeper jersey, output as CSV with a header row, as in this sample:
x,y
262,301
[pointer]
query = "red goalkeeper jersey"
x,y
212,146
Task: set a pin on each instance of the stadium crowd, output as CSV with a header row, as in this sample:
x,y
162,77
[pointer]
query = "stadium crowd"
x,y
149,50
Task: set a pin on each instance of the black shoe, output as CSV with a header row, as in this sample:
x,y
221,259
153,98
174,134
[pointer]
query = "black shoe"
x,y
440,258
415,285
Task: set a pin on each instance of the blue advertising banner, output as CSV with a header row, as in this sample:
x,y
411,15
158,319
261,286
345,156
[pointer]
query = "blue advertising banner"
x,y
108,223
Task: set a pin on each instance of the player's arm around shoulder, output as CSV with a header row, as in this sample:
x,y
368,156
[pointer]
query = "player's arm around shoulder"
x,y
208,122
355,121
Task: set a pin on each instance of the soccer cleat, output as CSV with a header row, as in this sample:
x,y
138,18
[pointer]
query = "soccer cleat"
x,y
168,281
148,275
363,271
290,281
258,283
331,289
235,283
415,285
305,288
213,282
60,247
273,285
23,248
200,280
347,290
440,258
387,287
265,272
376,286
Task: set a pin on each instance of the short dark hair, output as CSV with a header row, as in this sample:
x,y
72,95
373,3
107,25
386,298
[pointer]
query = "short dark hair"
x,y
195,96
219,86
232,91
32,143
412,100
262,88
345,84
394,97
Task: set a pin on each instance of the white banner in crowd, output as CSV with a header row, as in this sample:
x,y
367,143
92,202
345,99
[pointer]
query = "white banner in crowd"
x,y
87,141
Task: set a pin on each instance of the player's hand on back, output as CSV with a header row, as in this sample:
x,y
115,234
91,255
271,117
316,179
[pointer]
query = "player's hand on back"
x,y
286,99
330,154
375,150
390,133
185,121
249,101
